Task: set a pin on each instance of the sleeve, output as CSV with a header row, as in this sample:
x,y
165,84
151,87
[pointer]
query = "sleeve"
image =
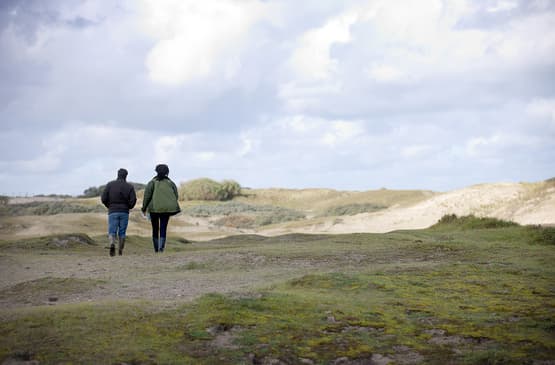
x,y
105,197
175,191
132,198
148,195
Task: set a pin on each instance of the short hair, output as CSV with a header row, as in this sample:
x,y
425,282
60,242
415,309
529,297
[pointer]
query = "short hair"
x,y
162,170
122,173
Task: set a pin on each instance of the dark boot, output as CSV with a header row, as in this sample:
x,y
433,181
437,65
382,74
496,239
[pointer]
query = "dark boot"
x,y
162,243
155,243
121,245
112,245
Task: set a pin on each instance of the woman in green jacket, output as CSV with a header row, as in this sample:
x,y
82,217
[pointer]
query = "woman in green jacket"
x,y
161,201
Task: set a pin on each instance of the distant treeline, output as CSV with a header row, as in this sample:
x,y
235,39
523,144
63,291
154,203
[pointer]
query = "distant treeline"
x,y
94,191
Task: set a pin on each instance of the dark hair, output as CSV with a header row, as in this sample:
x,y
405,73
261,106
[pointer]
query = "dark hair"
x,y
122,174
162,171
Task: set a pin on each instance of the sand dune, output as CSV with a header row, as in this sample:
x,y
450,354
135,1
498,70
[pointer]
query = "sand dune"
x,y
519,202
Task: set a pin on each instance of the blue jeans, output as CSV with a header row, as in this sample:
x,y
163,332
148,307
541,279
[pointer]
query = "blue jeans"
x,y
117,224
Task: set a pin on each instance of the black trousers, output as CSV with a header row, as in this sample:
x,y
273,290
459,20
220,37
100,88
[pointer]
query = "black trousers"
x,y
159,223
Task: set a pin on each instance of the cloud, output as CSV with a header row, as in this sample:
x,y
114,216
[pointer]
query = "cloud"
x,y
311,59
197,39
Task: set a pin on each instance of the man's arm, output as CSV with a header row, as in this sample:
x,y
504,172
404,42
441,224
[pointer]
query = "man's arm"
x,y
132,198
105,197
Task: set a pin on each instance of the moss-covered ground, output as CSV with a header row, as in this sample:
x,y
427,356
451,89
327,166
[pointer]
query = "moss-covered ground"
x,y
446,295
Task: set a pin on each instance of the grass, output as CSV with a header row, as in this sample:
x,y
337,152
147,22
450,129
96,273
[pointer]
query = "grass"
x,y
448,294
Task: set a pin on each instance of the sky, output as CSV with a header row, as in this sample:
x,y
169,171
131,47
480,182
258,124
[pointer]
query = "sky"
x,y
348,95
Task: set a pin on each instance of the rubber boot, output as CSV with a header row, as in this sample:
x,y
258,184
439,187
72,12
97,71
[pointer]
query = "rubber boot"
x,y
162,243
121,245
155,243
112,245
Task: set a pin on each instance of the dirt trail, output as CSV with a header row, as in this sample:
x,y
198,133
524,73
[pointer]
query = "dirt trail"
x,y
173,277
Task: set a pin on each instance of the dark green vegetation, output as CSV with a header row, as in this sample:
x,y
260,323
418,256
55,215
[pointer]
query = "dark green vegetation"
x,y
208,189
48,208
457,293
471,222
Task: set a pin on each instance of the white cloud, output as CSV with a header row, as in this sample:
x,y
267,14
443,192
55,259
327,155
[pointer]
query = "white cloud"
x,y
312,59
197,39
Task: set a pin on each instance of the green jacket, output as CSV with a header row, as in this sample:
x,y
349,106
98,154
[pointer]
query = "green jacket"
x,y
161,196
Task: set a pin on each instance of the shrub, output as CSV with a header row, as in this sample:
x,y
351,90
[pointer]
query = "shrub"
x,y
208,189
472,222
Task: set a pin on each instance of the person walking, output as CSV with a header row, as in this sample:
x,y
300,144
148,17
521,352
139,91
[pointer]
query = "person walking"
x,y
161,202
119,197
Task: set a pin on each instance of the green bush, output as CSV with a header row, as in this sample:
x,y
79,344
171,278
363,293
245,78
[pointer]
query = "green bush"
x,y
352,209
208,189
472,222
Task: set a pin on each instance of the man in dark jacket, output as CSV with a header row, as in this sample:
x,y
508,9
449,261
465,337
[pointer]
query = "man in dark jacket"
x,y
118,196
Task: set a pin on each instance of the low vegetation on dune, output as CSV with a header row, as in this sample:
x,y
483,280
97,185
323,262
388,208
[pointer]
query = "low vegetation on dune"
x,y
352,209
467,291
241,215
49,208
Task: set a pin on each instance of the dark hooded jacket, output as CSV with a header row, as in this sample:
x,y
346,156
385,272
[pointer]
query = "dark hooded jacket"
x,y
119,195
